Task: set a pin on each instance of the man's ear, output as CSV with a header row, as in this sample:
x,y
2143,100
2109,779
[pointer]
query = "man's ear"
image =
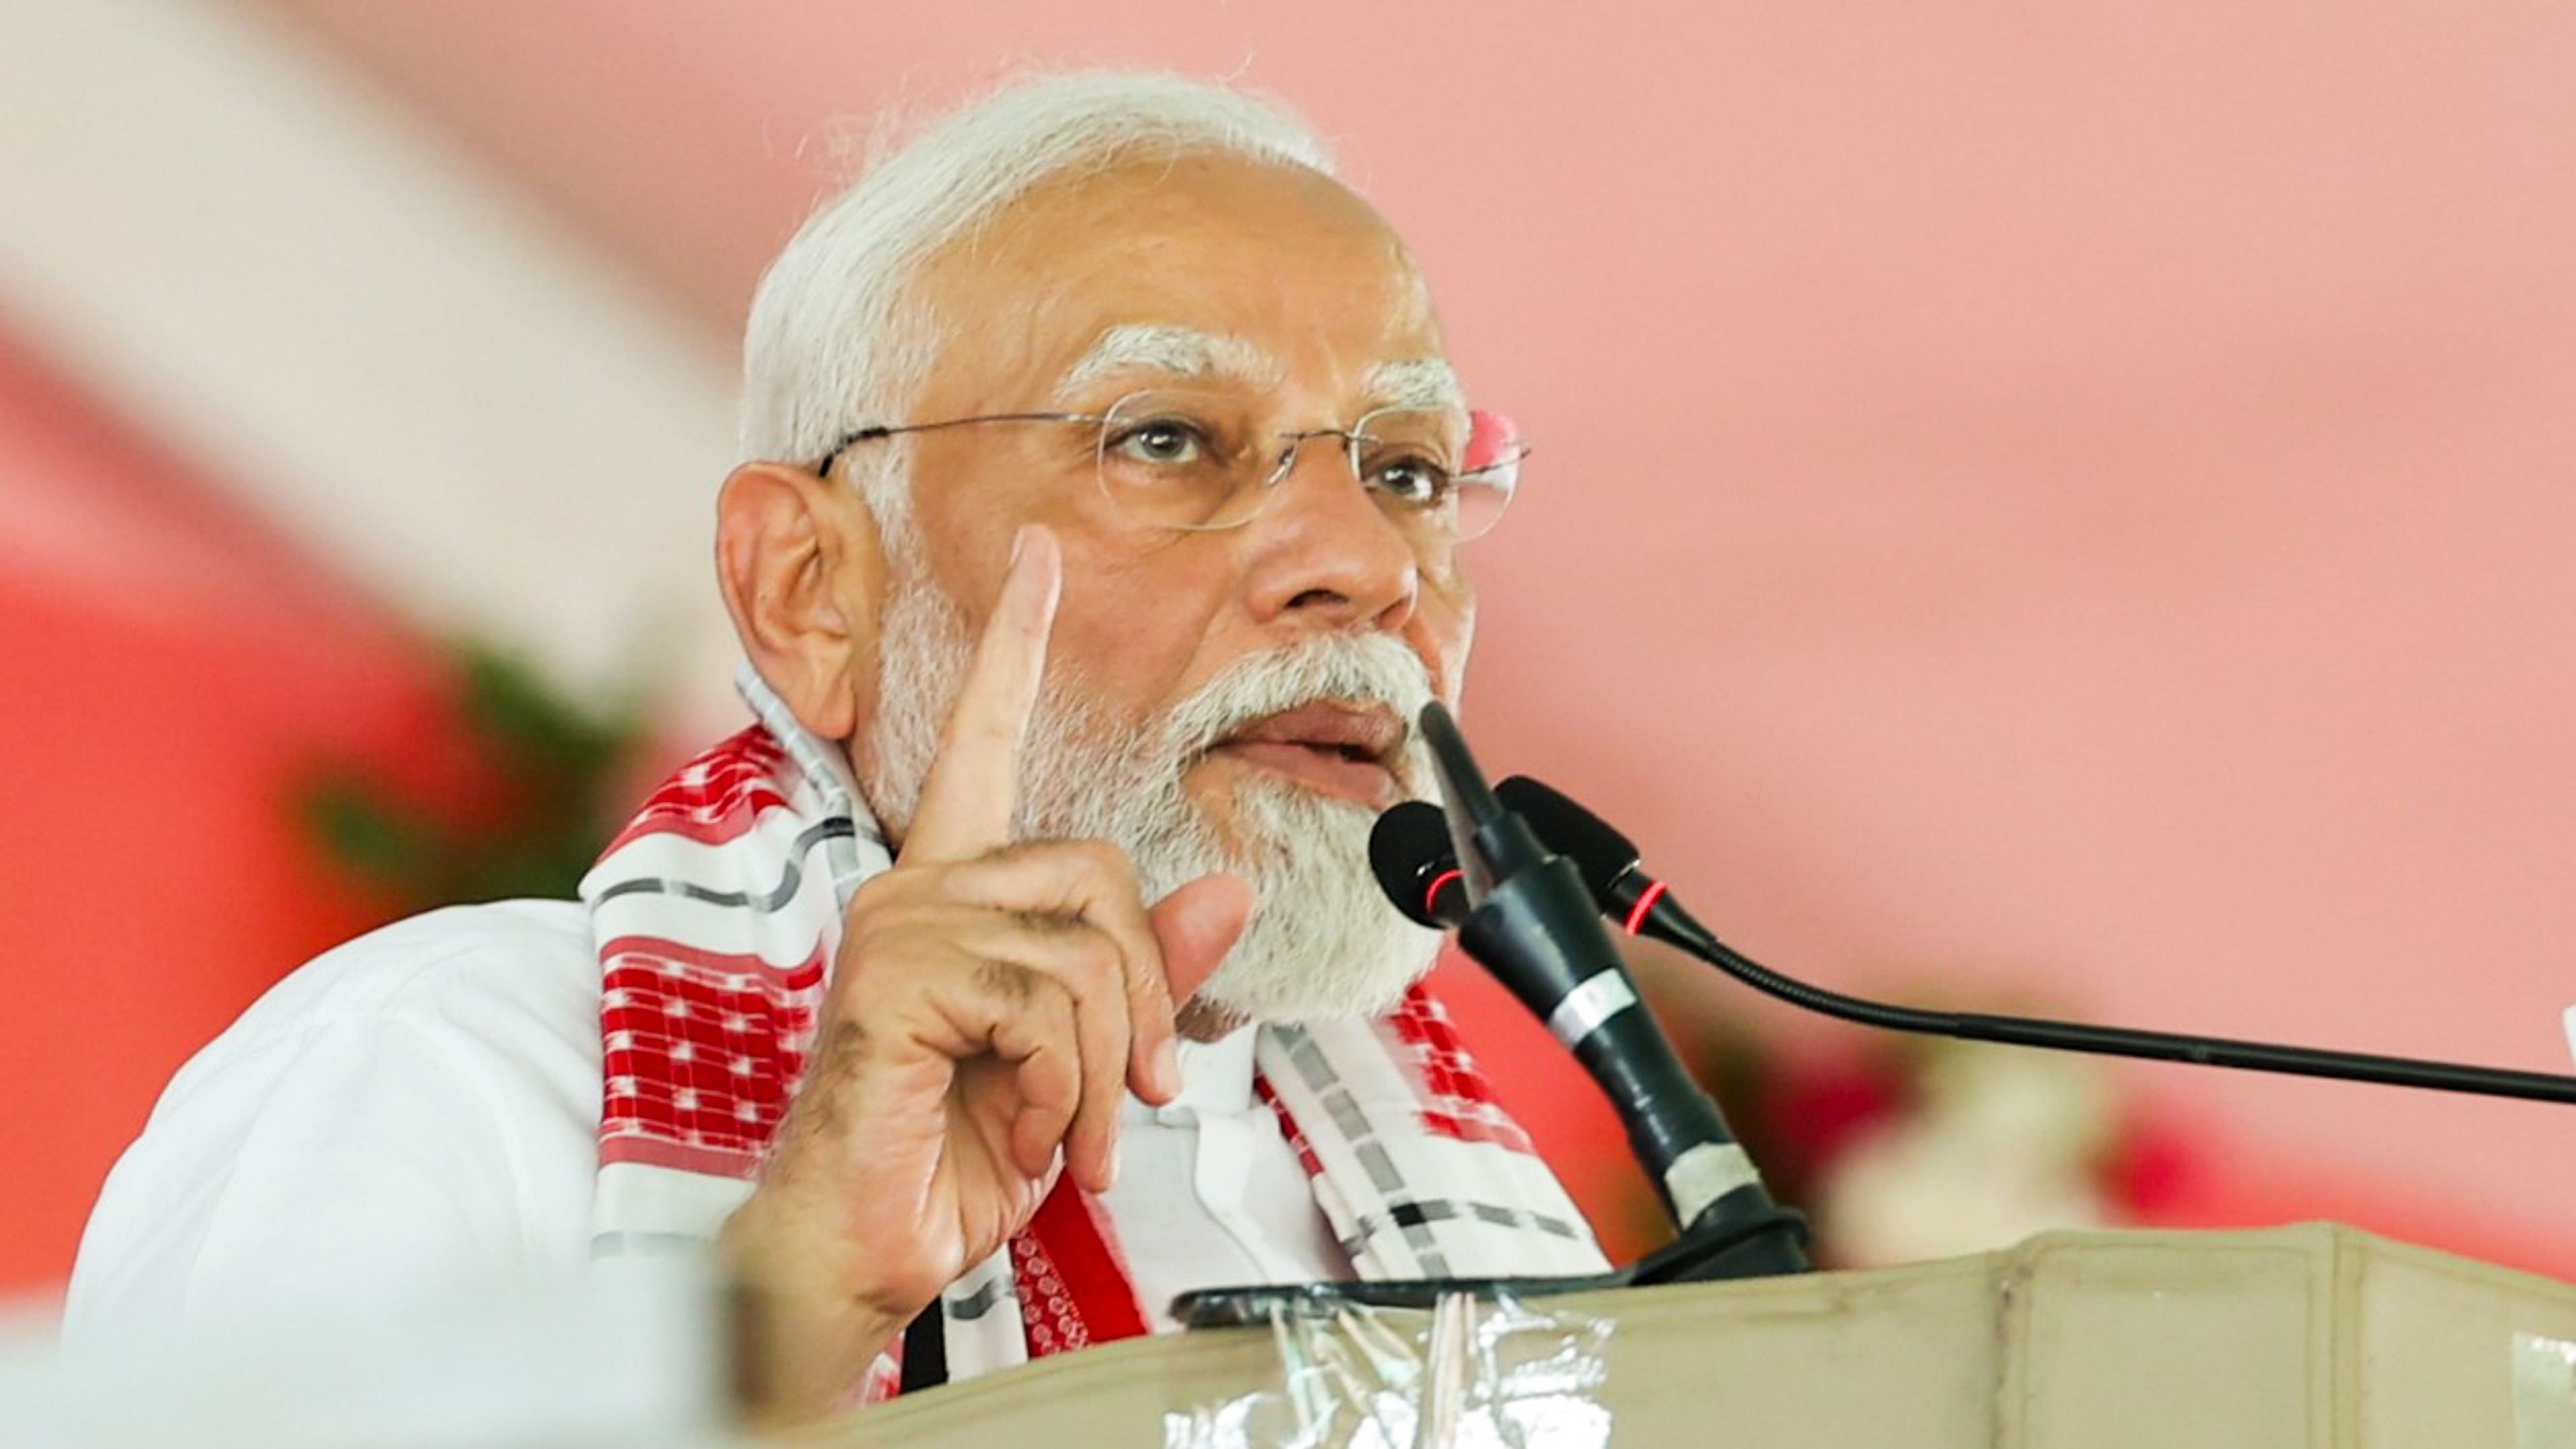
x,y
802,570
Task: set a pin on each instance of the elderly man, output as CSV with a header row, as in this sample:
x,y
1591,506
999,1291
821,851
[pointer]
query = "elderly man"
x,y
1021,967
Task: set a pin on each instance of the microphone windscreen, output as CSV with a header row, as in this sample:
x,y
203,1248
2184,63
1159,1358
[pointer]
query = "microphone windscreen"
x,y
1409,850
1601,853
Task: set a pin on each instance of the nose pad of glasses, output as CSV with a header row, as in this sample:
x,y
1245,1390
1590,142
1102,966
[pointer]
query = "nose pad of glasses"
x,y
1291,444
1280,466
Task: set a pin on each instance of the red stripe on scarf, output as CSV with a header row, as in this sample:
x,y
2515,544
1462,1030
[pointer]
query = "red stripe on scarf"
x,y
702,1064
1459,1101
655,1152
701,1049
714,797
1288,1127
1073,1292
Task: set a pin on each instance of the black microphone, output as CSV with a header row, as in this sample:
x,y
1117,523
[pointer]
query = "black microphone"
x,y
1417,866
1531,922
1626,892
1416,862
1609,861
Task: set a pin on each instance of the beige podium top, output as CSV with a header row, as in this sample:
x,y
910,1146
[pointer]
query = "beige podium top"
x,y
2316,1336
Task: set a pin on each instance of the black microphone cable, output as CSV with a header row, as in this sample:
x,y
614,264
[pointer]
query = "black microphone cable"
x,y
1625,892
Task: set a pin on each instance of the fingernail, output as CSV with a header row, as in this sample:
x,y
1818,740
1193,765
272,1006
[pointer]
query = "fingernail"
x,y
1020,543
1167,1068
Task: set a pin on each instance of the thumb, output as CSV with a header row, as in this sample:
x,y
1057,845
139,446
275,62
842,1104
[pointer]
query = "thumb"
x,y
1196,925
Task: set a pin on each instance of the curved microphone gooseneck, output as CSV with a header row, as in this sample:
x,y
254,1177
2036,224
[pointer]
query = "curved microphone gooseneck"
x,y
1624,892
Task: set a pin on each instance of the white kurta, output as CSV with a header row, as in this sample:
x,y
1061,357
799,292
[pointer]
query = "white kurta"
x,y
414,1115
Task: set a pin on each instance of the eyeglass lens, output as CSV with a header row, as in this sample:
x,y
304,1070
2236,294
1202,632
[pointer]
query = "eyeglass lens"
x,y
1197,460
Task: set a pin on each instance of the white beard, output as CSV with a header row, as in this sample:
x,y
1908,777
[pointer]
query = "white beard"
x,y
1323,941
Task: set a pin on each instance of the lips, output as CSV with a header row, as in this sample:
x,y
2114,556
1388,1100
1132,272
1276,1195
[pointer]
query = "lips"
x,y
1330,746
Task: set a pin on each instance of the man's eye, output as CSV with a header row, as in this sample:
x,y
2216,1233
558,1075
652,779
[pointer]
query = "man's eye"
x,y
1418,481
1163,441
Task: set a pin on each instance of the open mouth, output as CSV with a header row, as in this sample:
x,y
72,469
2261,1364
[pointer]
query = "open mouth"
x,y
1333,747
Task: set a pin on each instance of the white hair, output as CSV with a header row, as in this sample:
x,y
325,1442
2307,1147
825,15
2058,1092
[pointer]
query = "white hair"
x,y
830,346
834,344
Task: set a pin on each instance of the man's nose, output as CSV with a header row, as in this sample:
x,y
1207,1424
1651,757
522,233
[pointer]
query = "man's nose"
x,y
1325,553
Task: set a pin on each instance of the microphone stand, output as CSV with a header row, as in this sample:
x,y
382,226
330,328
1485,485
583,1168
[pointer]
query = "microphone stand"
x,y
1535,926
1532,923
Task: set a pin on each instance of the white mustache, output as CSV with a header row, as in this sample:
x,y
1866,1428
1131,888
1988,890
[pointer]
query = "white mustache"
x,y
1348,668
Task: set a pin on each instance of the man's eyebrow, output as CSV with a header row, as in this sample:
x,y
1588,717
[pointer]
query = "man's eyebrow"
x,y
1184,352
1428,382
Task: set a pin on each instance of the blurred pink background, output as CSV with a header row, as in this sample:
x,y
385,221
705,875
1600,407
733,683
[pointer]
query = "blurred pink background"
x,y
2065,507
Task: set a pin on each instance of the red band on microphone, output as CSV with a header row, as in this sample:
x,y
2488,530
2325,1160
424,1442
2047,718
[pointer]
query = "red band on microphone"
x,y
1645,903
1431,894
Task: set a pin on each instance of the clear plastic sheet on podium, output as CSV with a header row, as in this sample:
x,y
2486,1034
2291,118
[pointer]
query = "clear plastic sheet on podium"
x,y
2308,1337
1496,1373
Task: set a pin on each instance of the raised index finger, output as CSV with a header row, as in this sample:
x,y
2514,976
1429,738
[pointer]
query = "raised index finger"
x,y
966,803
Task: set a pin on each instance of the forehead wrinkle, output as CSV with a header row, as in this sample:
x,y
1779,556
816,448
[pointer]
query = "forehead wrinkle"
x,y
1427,382
1177,351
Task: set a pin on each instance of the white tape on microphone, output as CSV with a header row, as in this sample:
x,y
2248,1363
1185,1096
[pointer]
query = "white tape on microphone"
x,y
1599,997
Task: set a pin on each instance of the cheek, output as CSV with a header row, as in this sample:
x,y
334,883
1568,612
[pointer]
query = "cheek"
x,y
1129,638
1444,631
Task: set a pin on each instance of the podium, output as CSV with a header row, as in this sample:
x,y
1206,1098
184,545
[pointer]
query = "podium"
x,y
2308,1337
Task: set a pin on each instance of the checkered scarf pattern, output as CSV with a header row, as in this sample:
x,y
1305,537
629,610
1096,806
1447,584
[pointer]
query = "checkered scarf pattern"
x,y
716,912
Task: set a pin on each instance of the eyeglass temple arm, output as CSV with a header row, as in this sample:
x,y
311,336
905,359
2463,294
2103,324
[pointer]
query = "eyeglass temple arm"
x,y
884,430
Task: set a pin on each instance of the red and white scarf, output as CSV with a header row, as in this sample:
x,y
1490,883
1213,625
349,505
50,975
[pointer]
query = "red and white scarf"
x,y
716,912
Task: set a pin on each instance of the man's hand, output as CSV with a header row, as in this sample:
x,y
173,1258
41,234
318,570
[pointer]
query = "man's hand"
x,y
991,1005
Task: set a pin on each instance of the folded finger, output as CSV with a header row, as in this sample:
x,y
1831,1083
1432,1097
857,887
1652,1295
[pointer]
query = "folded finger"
x,y
1084,965
1033,1031
1093,882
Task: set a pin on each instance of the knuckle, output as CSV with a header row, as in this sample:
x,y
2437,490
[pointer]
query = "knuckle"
x,y
1045,923
1037,1002
1013,984
1106,859
1147,984
1098,961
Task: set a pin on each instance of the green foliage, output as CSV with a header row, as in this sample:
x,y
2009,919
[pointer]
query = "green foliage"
x,y
555,764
